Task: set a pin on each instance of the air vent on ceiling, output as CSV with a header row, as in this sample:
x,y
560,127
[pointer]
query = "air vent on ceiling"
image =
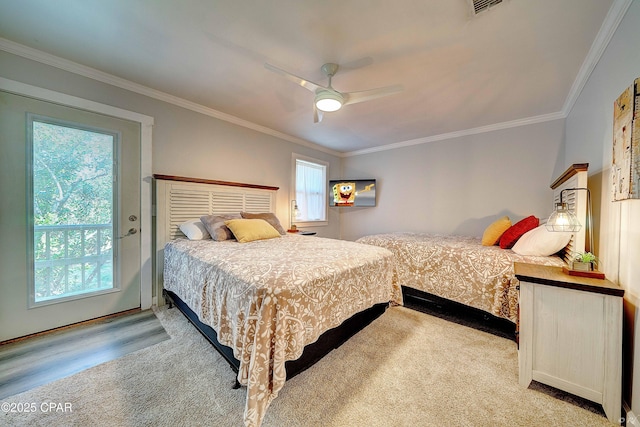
x,y
482,5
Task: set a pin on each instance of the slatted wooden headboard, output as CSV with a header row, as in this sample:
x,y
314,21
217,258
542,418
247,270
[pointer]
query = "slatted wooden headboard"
x,y
179,199
574,177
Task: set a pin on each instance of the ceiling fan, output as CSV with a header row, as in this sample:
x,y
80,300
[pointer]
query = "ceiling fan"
x,y
327,99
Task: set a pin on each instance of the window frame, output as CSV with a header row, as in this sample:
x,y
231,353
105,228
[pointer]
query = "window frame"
x,y
33,302
293,193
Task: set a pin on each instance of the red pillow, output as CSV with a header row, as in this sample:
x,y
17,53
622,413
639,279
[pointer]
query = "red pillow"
x,y
513,233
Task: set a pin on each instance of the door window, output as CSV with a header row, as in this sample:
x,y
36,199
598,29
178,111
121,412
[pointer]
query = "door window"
x,y
73,206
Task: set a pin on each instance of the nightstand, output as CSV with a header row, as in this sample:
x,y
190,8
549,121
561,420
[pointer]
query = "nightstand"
x,y
571,334
302,233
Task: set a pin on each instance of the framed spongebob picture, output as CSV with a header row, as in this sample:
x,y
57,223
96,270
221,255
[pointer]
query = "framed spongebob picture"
x,y
625,167
352,192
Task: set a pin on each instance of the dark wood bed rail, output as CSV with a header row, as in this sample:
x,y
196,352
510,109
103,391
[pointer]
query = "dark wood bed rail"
x,y
571,171
212,181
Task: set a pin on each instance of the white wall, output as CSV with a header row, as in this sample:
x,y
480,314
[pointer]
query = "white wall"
x,y
589,132
458,186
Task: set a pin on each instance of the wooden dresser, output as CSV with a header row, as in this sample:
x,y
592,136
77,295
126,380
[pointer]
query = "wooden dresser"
x,y
571,334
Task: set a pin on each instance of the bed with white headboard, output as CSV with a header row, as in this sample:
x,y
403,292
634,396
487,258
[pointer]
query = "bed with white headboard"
x,y
461,272
179,199
274,305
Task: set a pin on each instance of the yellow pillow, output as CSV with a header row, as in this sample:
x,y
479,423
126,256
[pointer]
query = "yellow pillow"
x,y
493,232
248,230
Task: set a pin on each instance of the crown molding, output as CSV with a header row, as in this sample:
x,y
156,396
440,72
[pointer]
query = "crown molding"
x,y
609,26
460,133
101,76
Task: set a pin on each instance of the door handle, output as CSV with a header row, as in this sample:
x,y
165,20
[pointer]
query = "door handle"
x,y
131,232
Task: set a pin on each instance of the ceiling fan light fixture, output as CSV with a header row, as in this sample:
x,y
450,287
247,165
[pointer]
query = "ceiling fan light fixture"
x,y
328,101
326,98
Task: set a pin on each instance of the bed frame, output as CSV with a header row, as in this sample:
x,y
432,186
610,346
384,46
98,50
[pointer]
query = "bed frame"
x,y
327,342
456,312
179,199
574,178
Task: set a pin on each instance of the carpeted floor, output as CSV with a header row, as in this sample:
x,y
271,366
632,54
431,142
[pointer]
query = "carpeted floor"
x,y
405,369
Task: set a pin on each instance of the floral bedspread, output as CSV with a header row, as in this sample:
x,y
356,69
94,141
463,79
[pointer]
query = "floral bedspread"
x,y
458,268
267,299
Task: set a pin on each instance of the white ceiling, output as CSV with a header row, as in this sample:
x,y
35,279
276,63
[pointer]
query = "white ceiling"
x,y
515,62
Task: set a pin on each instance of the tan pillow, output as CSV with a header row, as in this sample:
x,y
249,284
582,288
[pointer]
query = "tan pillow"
x,y
248,230
215,225
267,216
493,232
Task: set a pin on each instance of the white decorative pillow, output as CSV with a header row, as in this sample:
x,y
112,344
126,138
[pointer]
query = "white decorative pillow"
x,y
194,229
541,242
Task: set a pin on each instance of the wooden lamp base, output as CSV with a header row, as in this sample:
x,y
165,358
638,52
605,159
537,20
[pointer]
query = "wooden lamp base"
x,y
594,274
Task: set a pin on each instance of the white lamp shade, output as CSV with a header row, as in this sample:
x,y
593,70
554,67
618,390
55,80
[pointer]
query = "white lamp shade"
x,y
328,101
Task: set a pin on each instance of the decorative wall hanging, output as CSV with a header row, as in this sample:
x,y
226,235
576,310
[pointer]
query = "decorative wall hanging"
x,y
625,170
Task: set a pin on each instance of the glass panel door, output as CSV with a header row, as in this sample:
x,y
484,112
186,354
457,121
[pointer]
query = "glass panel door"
x,y
70,183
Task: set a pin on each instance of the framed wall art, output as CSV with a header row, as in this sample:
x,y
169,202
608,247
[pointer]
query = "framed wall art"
x,y
625,169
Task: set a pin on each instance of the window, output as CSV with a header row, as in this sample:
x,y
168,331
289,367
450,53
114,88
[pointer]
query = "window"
x,y
310,183
72,204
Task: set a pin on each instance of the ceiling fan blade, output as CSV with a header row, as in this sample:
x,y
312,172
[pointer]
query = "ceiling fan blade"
x,y
297,80
317,114
367,95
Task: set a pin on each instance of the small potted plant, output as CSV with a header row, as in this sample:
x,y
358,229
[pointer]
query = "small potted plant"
x,y
585,261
